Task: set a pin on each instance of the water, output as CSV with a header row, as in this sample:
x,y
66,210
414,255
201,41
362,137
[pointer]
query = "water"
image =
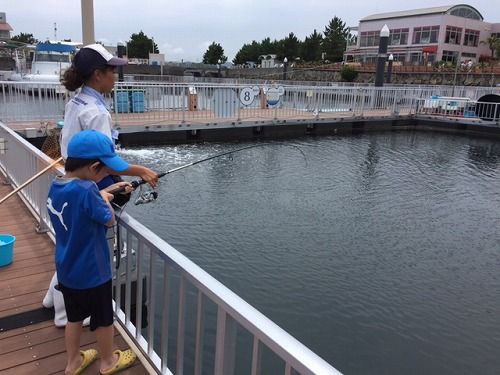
x,y
380,252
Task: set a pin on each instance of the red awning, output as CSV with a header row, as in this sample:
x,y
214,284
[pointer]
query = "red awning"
x,y
430,49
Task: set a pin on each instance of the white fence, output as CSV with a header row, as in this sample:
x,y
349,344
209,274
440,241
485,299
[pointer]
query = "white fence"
x,y
163,103
194,323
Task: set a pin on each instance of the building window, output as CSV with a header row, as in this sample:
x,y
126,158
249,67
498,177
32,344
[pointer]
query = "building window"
x,y
425,34
471,38
453,35
399,57
369,38
466,55
449,56
466,12
398,37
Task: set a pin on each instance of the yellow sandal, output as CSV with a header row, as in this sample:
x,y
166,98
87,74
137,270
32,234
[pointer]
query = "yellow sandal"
x,y
125,359
88,357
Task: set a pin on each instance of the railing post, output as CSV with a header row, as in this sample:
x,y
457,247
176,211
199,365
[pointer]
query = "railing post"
x,y
225,343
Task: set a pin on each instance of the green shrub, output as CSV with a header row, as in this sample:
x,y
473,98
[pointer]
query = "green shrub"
x,y
348,73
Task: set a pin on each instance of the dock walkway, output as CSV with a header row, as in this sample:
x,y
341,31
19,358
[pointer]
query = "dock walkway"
x,y
29,341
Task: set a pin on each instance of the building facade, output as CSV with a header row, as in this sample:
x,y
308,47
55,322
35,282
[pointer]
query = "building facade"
x,y
452,33
5,28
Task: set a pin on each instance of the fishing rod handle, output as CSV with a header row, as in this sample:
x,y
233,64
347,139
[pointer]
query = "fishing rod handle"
x,y
134,184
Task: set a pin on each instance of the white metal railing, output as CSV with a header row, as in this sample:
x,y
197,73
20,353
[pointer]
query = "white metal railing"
x,y
459,107
177,292
161,103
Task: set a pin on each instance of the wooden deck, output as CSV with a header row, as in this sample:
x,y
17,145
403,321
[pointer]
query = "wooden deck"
x,y
33,347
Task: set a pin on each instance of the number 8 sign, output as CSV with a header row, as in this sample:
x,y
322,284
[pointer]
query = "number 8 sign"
x,y
248,94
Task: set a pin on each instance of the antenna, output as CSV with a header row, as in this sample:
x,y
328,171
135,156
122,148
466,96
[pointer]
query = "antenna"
x,y
55,31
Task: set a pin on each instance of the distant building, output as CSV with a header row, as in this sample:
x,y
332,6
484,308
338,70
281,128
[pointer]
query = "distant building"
x,y
268,61
450,33
5,28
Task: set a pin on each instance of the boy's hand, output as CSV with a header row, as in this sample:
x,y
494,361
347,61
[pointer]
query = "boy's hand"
x,y
128,187
108,197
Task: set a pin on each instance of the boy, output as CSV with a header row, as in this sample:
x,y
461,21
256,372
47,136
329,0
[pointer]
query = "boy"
x,y
80,215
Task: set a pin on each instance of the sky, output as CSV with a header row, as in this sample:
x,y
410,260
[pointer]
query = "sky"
x,y
184,29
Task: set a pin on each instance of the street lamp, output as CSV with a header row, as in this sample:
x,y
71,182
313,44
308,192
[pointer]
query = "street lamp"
x,y
389,67
219,62
285,66
382,55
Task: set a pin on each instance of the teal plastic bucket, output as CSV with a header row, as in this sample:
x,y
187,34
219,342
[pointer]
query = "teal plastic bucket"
x,y
6,249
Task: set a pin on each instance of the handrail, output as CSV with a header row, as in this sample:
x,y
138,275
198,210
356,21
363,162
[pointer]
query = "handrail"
x,y
152,265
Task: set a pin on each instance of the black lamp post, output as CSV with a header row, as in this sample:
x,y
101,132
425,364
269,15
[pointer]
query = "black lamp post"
x,y
389,67
382,56
285,67
219,62
119,51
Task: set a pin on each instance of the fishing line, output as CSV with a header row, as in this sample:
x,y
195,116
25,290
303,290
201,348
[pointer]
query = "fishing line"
x,y
150,196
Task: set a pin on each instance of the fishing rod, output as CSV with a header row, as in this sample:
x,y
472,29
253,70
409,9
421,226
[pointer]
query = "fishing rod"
x,y
22,186
152,195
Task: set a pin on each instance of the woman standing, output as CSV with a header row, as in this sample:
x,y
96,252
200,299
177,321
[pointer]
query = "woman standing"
x,y
93,70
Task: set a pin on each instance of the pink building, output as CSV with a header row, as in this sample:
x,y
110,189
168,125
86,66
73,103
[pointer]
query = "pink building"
x,y
449,33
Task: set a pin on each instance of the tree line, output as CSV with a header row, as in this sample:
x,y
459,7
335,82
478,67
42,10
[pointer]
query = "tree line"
x,y
318,46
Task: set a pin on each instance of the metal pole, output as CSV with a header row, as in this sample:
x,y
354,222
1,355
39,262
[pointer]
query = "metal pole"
x,y
88,36
119,50
382,56
389,68
285,66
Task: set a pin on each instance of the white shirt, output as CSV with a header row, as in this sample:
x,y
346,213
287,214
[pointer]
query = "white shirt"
x,y
87,110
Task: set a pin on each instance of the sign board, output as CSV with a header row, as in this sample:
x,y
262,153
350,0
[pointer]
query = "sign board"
x,y
273,95
248,94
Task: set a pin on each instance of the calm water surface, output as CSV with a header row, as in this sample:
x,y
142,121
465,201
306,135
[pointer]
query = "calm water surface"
x,y
380,252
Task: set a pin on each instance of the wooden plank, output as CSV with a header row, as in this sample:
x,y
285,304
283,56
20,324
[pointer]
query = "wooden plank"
x,y
13,302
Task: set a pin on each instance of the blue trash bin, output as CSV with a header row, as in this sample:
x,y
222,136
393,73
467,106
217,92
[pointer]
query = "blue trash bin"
x,y
138,101
122,102
6,249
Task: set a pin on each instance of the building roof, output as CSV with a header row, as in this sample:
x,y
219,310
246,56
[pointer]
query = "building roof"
x,y
4,26
420,12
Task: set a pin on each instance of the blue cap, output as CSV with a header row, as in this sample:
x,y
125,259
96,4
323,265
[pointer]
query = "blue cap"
x,y
91,144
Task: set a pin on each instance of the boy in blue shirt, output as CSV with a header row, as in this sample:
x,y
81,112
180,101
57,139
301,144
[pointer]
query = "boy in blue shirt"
x,y
80,215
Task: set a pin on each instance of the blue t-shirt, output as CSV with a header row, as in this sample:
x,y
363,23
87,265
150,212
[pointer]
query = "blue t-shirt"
x,y
79,214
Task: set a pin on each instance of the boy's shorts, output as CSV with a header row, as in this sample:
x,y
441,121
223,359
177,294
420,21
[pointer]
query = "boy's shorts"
x,y
94,302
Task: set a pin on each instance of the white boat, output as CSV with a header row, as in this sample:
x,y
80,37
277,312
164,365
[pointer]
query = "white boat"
x,y
50,60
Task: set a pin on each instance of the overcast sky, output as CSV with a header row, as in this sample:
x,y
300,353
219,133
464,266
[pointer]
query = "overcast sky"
x,y
184,29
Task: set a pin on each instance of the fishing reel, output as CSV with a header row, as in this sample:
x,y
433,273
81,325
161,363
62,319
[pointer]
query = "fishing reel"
x,y
146,197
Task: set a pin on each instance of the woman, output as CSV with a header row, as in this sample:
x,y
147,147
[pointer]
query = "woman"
x,y
93,70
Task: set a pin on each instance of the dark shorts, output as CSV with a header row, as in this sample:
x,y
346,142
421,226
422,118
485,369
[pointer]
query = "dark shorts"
x,y
94,302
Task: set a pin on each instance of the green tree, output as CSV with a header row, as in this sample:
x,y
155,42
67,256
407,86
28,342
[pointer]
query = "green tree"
x,y
334,43
140,45
214,53
311,47
291,47
493,43
249,52
24,38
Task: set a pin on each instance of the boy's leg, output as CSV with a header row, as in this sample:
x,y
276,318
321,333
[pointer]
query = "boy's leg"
x,y
104,336
72,335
